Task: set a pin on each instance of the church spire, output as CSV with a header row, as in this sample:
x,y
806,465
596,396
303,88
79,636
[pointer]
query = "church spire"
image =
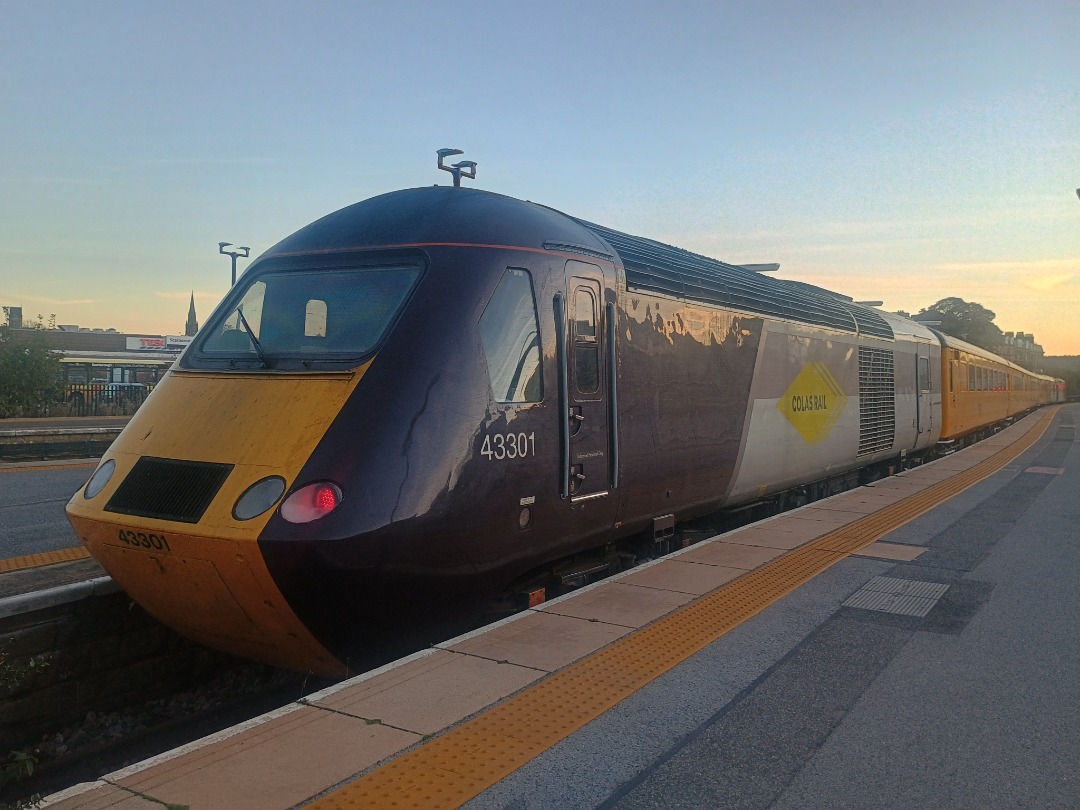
x,y
192,325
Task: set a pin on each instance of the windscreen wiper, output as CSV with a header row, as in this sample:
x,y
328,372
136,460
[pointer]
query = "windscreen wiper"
x,y
254,340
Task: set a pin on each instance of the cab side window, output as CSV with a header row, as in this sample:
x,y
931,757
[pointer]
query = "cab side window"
x,y
586,345
315,319
510,335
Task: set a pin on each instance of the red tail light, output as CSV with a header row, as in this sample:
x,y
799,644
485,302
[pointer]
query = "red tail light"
x,y
326,498
311,502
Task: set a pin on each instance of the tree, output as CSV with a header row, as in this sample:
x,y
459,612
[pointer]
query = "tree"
x,y
29,376
971,322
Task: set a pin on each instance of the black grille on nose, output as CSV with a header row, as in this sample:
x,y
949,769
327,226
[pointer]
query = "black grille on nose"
x,y
169,489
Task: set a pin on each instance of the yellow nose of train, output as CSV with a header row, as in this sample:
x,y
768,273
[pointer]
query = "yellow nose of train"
x,y
161,517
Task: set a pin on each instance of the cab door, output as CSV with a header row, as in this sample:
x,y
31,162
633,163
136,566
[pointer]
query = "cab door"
x,y
924,411
589,431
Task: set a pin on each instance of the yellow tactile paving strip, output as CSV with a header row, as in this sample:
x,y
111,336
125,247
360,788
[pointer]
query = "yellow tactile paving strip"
x,y
456,766
32,467
43,558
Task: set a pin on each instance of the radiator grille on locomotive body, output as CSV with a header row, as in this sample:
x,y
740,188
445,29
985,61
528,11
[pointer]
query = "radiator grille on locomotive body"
x,y
877,400
169,489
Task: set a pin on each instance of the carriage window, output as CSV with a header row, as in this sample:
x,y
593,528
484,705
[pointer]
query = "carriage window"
x,y
971,378
509,333
924,374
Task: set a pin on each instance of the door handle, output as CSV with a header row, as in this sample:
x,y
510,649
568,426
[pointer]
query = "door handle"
x,y
576,418
577,477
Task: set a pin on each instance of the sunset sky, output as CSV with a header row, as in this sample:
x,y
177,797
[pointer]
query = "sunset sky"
x,y
904,152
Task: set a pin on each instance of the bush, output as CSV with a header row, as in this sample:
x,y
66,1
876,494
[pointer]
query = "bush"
x,y
29,376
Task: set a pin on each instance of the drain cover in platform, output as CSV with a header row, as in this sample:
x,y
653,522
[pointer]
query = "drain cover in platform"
x,y
906,597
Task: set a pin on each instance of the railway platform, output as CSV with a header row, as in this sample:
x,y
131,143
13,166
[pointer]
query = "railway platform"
x,y
57,437
908,643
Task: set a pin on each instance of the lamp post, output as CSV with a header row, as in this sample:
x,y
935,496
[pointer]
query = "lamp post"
x,y
236,251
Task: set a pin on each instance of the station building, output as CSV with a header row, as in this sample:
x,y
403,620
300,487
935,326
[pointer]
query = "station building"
x,y
106,355
1021,348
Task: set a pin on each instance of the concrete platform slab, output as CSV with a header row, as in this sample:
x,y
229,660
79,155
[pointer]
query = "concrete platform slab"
x,y
879,495
931,474
274,765
683,576
431,692
541,640
857,506
898,483
620,604
774,538
100,796
812,521
731,554
891,551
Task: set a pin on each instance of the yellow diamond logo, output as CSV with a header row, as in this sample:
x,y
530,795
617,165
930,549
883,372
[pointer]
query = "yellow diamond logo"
x,y
813,402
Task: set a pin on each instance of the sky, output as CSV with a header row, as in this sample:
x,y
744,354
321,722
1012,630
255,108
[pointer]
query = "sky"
x,y
900,152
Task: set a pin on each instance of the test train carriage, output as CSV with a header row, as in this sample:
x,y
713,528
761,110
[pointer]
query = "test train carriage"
x,y
441,396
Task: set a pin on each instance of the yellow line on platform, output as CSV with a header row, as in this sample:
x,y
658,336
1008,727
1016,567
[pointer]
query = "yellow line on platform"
x,y
43,558
456,766
30,467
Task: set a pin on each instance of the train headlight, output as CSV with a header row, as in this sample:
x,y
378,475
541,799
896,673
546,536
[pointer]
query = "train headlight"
x,y
259,497
311,502
99,480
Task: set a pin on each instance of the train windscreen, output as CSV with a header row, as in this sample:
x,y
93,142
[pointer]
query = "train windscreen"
x,y
311,315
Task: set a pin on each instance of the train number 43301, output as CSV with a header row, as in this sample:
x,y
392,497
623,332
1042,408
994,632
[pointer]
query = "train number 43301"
x,y
144,540
498,446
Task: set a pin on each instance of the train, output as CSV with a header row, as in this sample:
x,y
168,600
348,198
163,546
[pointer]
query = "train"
x,y
441,398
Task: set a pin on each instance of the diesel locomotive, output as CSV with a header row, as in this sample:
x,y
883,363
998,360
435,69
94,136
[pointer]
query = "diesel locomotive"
x,y
443,396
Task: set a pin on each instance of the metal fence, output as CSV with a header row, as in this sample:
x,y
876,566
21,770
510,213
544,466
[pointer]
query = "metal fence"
x,y
101,399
